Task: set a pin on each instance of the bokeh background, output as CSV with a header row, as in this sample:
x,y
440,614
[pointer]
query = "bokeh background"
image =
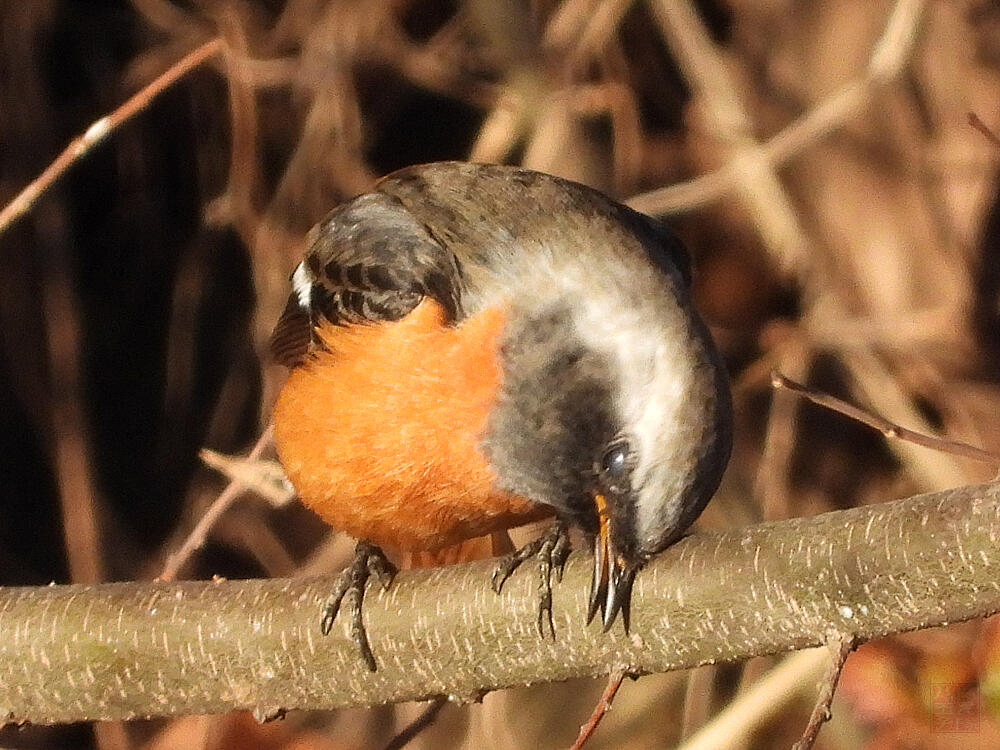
x,y
830,165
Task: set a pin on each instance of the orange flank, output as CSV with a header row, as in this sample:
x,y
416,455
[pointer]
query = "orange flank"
x,y
379,432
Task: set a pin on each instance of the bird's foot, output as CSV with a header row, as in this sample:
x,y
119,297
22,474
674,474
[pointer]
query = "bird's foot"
x,y
369,561
551,549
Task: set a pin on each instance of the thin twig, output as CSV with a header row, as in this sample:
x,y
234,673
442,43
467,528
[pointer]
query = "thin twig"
x,y
99,131
196,539
415,727
840,645
887,428
985,129
602,707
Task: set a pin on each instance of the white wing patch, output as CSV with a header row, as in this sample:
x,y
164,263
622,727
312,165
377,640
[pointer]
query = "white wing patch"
x,y
302,286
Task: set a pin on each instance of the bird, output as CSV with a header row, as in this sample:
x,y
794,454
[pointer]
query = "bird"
x,y
473,347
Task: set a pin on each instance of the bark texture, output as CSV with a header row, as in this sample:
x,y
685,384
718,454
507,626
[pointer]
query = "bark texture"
x,y
126,650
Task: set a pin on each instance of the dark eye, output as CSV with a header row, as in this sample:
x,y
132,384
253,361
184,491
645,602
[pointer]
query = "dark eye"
x,y
615,463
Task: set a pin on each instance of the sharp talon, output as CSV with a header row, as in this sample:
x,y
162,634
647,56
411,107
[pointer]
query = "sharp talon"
x,y
506,567
502,573
358,634
560,553
326,623
332,605
551,549
349,590
545,588
545,616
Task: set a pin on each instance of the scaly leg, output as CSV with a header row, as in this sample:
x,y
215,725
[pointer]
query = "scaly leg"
x,y
551,549
369,561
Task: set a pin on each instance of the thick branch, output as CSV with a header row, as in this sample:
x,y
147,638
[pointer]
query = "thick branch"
x,y
119,651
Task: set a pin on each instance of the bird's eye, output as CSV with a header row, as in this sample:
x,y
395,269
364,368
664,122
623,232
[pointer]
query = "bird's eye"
x,y
615,462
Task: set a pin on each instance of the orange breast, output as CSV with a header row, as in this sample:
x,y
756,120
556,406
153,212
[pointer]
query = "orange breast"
x,y
379,435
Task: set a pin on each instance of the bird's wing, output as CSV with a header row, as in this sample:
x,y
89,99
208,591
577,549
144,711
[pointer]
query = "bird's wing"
x,y
369,260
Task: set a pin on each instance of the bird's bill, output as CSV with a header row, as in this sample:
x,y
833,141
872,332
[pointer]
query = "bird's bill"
x,y
611,590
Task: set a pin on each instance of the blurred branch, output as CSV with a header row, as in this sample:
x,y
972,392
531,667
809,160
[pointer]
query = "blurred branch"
x,y
583,28
728,120
732,727
99,131
243,167
983,128
751,168
73,653
887,61
71,448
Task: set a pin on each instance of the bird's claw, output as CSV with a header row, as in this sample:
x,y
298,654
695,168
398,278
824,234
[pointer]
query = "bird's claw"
x,y
369,561
551,549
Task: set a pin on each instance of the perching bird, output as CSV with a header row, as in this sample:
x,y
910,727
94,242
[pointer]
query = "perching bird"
x,y
474,347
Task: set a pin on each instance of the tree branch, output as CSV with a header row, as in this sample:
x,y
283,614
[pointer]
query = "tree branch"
x,y
119,651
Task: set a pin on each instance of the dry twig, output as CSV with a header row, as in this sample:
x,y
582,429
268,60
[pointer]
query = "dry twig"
x,y
887,428
840,646
415,727
986,130
196,539
602,708
99,131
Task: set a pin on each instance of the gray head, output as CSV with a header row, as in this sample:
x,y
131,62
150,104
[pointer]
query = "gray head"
x,y
614,406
